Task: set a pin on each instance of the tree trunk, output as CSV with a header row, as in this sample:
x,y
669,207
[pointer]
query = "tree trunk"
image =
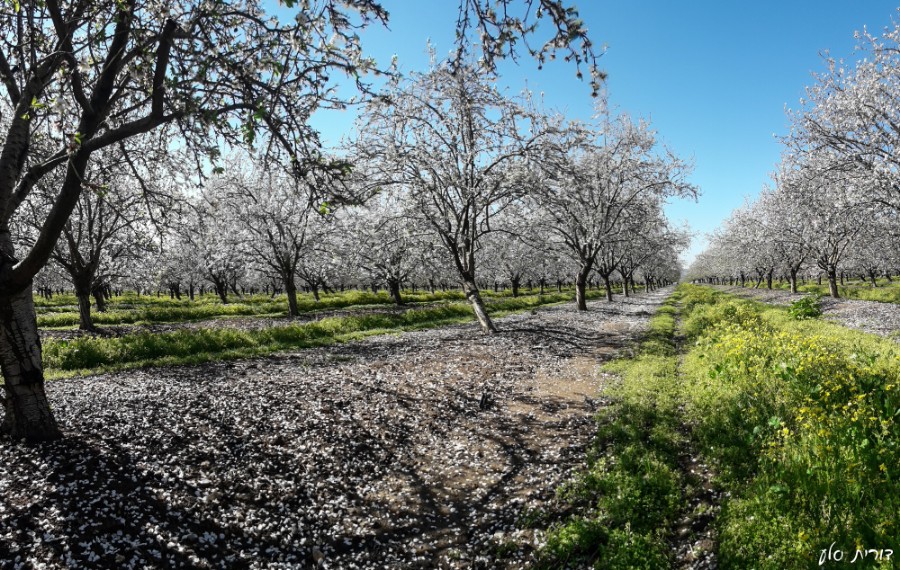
x,y
580,282
607,284
769,280
28,413
222,292
793,280
100,299
474,297
515,287
872,279
394,289
290,288
315,292
832,283
85,322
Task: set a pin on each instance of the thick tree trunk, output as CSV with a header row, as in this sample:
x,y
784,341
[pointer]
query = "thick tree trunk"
x,y
832,283
28,413
515,287
580,282
100,299
394,289
290,288
769,280
793,280
85,322
872,279
222,292
315,292
474,297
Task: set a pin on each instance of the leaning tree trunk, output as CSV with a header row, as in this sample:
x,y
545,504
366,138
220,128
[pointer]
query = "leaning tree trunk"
x,y
832,283
474,297
290,288
28,413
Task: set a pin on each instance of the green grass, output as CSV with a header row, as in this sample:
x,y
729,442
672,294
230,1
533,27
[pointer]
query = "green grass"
x,y
89,354
800,418
886,292
62,310
628,497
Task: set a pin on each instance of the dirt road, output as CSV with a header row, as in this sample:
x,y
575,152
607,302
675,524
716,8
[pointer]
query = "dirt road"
x,y
425,449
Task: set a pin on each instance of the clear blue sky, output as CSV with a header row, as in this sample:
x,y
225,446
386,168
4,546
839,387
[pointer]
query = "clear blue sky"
x,y
713,76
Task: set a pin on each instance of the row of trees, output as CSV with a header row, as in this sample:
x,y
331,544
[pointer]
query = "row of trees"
x,y
451,182
833,207
113,104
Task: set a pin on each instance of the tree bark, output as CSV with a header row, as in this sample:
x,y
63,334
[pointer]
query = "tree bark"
x,y
85,322
580,282
832,283
394,289
100,299
608,285
290,288
793,280
28,413
515,287
474,297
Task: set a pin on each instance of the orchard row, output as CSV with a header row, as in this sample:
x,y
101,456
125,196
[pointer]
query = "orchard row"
x,y
833,207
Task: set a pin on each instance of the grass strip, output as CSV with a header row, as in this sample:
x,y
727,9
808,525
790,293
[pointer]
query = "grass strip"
x,y
89,355
626,500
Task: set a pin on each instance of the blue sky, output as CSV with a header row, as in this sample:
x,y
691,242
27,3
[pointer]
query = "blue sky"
x,y
714,77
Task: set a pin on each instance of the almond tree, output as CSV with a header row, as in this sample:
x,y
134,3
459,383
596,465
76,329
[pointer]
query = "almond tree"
x,y
273,210
87,75
388,241
107,230
588,195
449,138
853,110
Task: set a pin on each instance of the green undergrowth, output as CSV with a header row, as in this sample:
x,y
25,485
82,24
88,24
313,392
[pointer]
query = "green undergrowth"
x,y
797,416
62,310
89,354
628,497
800,419
886,292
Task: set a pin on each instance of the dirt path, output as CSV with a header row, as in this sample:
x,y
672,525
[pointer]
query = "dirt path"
x,y
868,316
424,449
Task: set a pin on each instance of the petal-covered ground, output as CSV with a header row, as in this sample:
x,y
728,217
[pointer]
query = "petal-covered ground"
x,y
426,449
868,316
